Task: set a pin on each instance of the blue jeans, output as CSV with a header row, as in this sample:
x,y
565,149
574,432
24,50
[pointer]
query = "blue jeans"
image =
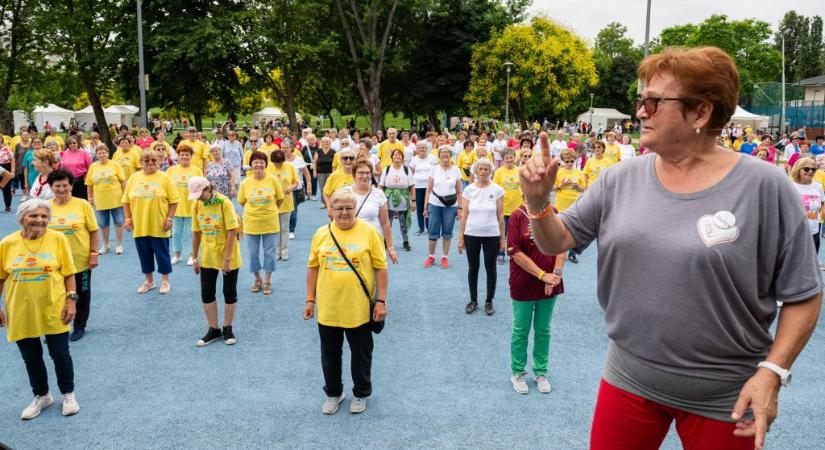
x,y
114,214
420,193
442,221
32,351
293,216
254,242
180,225
149,250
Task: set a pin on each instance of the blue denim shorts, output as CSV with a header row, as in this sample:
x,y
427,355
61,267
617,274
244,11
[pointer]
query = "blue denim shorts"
x,y
104,216
441,221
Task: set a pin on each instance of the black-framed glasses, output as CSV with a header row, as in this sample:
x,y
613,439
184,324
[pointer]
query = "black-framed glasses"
x,y
651,104
347,158
808,169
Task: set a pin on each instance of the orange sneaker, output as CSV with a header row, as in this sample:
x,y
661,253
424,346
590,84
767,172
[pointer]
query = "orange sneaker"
x,y
429,262
444,262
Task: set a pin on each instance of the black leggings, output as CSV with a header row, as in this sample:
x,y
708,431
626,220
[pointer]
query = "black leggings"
x,y
83,284
209,284
473,246
7,187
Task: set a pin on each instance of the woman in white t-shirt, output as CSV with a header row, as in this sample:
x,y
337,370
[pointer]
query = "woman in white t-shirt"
x,y
304,181
810,193
421,165
444,185
372,204
399,187
626,149
482,228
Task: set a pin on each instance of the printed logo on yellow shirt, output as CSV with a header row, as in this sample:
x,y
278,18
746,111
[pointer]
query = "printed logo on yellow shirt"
x,y
210,224
333,260
104,176
31,268
510,184
146,189
181,180
67,225
261,197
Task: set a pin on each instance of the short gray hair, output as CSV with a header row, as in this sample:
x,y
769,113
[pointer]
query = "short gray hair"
x,y
30,205
483,162
344,194
347,150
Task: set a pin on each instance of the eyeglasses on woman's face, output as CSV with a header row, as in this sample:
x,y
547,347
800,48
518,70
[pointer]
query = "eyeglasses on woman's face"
x,y
347,158
808,169
149,160
343,209
651,104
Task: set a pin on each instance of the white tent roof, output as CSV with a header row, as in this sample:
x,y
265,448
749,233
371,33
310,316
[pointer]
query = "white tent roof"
x,y
52,108
270,111
741,117
606,113
741,113
123,109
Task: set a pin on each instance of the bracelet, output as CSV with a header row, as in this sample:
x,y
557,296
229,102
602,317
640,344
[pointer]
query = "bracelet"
x,y
310,301
541,275
558,272
380,301
94,253
545,211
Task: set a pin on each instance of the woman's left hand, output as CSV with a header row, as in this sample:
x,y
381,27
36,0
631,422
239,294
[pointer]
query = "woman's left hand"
x,y
69,311
379,312
502,244
94,261
393,255
226,266
412,206
760,394
167,224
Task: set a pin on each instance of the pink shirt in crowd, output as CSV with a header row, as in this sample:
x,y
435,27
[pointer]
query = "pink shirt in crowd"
x,y
144,142
76,161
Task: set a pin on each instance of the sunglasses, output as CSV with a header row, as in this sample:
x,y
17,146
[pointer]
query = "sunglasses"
x,y
569,161
651,104
808,169
148,160
347,158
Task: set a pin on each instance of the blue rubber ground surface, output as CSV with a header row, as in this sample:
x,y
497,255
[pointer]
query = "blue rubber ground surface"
x,y
440,377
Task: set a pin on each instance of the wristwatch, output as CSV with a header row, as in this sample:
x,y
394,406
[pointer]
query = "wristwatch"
x,y
72,296
784,374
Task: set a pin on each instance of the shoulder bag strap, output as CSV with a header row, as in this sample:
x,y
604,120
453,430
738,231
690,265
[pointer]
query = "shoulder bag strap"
x,y
349,263
356,215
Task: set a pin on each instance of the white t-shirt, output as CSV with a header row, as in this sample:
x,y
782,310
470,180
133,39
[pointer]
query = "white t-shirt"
x,y
444,183
368,210
396,179
556,147
498,147
299,165
627,151
482,220
422,168
409,154
812,197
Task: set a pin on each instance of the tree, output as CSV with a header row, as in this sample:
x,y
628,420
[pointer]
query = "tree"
x,y
616,60
552,67
804,49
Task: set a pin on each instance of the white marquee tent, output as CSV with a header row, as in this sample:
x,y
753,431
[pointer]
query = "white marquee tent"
x,y
115,114
50,113
268,113
604,117
743,117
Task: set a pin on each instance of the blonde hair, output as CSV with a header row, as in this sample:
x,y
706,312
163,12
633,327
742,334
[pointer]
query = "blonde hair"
x,y
344,194
149,153
47,156
801,163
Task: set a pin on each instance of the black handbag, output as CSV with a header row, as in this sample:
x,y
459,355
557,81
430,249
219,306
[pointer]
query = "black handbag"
x,y
447,200
375,327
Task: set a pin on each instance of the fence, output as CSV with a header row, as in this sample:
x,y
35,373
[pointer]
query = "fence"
x,y
798,114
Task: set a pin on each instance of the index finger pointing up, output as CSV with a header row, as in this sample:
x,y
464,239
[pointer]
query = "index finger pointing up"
x,y
544,144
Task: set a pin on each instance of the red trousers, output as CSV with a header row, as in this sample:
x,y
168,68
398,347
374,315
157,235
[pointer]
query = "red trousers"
x,y
625,421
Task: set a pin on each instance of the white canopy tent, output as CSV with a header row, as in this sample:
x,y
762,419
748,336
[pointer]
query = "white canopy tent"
x,y
743,117
50,113
126,114
20,120
268,113
86,117
604,117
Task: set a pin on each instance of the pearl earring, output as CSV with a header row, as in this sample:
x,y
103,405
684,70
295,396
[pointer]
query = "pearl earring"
x,y
698,130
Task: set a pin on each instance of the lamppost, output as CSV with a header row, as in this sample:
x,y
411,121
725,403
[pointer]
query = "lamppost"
x,y
141,75
508,65
782,129
647,30
590,121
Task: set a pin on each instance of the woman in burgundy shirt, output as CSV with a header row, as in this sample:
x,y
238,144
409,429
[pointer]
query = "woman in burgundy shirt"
x,y
535,283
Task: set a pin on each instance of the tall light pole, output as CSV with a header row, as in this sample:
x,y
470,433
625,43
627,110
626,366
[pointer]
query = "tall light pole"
x,y
782,129
141,75
508,65
590,121
647,30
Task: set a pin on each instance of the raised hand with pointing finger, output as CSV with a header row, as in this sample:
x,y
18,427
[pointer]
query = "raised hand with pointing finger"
x,y
538,176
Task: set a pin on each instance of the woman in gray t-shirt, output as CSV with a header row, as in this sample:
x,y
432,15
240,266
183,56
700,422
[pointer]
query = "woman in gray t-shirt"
x,y
696,245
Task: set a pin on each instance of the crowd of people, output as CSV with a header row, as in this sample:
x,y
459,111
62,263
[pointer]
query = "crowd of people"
x,y
671,212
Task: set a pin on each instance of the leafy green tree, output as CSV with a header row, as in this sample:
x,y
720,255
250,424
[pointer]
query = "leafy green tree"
x,y
803,45
616,60
553,66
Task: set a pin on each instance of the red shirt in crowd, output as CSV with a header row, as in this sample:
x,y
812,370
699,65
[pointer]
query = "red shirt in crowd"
x,y
523,285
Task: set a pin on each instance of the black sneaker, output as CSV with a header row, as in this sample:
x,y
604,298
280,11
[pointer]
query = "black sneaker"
x,y
488,309
471,307
407,246
573,259
212,335
420,232
228,337
77,334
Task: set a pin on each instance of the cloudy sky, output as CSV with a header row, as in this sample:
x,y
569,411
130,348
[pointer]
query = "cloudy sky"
x,y
587,17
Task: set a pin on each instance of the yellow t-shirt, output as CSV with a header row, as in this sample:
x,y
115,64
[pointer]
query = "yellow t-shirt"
x,y
33,271
465,161
60,143
267,149
287,176
129,161
180,177
149,197
213,221
246,156
336,161
200,152
337,180
339,297
566,196
593,168
76,220
613,152
260,209
106,179
385,151
509,181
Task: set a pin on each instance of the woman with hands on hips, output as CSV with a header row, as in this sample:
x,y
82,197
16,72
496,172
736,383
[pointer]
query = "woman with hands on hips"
x,y
729,237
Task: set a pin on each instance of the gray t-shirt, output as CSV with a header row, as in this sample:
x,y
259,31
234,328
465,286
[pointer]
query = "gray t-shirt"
x,y
689,282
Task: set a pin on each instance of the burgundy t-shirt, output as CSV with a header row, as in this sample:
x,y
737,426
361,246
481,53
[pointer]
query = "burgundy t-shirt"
x,y
523,285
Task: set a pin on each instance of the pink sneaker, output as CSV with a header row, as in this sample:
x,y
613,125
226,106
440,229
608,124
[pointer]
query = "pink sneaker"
x,y
429,262
444,262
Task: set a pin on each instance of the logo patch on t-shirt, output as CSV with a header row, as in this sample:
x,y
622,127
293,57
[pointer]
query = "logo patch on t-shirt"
x,y
717,228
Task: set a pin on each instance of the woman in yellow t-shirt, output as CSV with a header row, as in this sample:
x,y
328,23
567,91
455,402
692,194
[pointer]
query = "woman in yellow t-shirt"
x,y
343,306
37,275
105,183
75,218
128,158
149,203
342,177
215,229
261,196
569,181
464,161
253,147
269,145
286,175
180,175
506,176
595,165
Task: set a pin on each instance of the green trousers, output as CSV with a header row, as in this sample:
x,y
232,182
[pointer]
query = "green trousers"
x,y
535,314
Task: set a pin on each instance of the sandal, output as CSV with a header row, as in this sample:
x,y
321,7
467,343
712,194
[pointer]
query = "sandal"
x,y
145,287
256,287
267,289
165,287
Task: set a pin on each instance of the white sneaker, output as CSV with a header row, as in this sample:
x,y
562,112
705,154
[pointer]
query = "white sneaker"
x,y
175,260
358,405
103,250
331,404
190,261
291,236
520,383
284,255
70,405
37,405
543,384
119,250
